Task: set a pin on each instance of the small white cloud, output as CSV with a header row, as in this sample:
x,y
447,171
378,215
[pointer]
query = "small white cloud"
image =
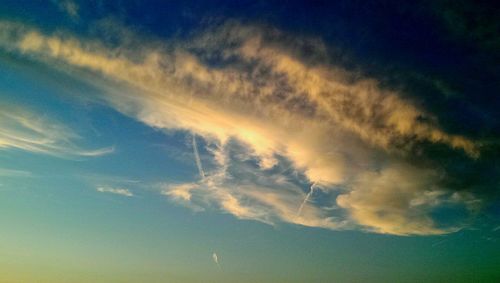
x,y
215,258
69,7
118,191
179,192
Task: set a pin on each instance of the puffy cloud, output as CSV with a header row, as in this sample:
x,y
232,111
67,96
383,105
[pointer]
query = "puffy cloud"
x,y
28,131
332,126
400,199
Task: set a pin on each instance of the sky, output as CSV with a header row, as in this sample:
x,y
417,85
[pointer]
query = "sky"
x,y
249,141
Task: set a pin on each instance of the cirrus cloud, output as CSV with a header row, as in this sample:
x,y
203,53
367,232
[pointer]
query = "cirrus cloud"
x,y
265,106
29,131
116,191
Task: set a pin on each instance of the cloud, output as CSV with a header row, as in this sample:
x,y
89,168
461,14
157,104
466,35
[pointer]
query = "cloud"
x,y
306,199
180,192
5,172
197,158
215,259
118,191
401,199
71,8
237,185
266,106
29,131
272,78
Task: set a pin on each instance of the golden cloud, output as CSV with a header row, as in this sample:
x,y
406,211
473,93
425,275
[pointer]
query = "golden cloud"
x,y
329,123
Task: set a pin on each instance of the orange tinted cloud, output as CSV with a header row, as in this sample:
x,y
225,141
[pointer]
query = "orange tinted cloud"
x,y
328,122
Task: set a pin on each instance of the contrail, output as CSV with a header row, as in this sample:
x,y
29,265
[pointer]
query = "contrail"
x,y
306,199
197,158
216,259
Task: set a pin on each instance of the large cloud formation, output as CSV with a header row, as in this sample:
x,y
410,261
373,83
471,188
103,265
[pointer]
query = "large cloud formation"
x,y
292,136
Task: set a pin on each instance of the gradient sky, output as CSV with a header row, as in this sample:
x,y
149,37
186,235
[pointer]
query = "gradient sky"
x,y
249,141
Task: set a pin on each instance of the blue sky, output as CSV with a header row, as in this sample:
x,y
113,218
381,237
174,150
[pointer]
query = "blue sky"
x,y
248,141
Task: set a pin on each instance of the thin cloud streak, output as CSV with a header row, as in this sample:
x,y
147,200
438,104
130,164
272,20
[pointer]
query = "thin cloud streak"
x,y
5,172
117,191
197,158
29,131
306,199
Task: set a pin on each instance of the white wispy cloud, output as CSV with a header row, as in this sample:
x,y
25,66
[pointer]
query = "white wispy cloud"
x,y
243,190
5,172
30,131
118,191
339,130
